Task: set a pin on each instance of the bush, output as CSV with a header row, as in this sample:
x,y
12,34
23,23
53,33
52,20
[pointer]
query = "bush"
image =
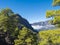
x,y
49,37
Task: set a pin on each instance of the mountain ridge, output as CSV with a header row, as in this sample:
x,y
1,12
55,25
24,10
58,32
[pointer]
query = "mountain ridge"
x,y
43,25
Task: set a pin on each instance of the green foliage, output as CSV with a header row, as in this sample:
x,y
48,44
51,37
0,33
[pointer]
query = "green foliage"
x,y
55,14
49,37
14,26
52,13
6,12
56,2
7,22
26,37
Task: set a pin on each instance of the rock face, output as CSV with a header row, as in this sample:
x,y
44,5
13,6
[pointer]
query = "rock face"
x,y
5,39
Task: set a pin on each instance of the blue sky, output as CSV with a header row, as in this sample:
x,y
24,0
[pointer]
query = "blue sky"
x,y
32,10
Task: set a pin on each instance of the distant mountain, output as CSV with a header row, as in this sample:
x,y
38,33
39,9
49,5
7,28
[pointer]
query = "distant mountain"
x,y
43,25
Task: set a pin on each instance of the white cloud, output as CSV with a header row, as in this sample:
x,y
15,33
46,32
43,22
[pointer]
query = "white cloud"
x,y
37,26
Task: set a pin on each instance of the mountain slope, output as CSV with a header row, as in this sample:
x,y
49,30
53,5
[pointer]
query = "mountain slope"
x,y
10,27
23,21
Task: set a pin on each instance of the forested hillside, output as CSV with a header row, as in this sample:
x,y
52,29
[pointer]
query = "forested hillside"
x,y
15,30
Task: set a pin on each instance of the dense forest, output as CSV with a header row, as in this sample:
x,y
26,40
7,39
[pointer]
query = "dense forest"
x,y
16,30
